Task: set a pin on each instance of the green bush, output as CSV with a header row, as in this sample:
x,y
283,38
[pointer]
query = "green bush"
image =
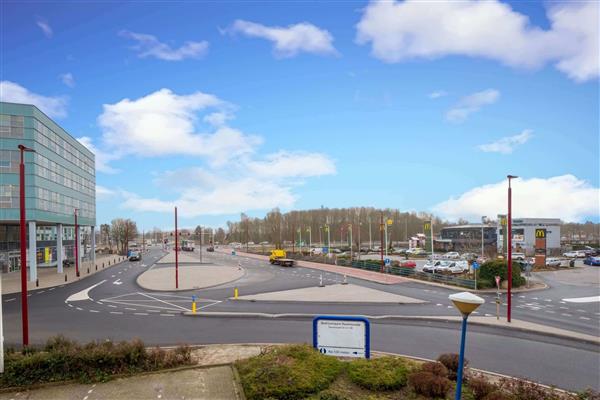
x,y
490,269
288,372
62,359
385,373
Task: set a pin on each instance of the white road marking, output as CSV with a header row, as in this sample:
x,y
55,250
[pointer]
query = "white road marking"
x,y
83,295
167,315
566,315
116,312
166,302
585,318
140,313
117,282
130,309
80,309
591,299
7,300
111,306
94,311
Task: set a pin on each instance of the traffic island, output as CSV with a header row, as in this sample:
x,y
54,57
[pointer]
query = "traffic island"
x,y
333,294
190,277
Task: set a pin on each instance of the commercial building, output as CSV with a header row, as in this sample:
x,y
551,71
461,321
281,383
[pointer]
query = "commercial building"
x,y
468,238
59,182
523,234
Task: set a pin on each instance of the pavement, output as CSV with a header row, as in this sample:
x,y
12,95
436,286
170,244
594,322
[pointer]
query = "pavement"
x,y
183,257
49,277
338,293
190,277
110,304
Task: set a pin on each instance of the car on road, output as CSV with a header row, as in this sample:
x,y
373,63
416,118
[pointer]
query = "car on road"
x,y
408,264
518,256
210,249
135,256
416,252
595,261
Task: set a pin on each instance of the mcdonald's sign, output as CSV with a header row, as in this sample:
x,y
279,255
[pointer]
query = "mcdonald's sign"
x,y
540,233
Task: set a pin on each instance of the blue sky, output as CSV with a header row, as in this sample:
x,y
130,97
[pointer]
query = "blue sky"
x,y
222,108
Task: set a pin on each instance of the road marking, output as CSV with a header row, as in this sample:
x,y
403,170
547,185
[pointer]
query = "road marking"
x,y
83,295
131,309
52,288
80,309
94,311
111,306
7,300
550,312
167,315
117,282
580,310
591,299
140,313
112,276
70,305
566,315
585,318
166,302
116,312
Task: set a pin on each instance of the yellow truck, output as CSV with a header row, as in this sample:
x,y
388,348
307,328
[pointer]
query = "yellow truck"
x,y
278,257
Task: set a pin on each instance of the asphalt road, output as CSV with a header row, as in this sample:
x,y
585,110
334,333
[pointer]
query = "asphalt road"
x,y
119,309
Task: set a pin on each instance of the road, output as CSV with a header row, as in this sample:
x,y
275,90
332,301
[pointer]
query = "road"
x,y
115,307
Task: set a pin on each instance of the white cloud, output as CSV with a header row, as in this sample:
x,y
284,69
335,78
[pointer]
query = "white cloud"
x,y
68,79
507,145
291,40
102,158
402,30
471,103
45,27
565,197
292,164
217,118
437,94
163,123
150,46
104,193
55,107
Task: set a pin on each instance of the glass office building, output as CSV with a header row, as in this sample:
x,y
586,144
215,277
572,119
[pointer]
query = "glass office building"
x,y
59,181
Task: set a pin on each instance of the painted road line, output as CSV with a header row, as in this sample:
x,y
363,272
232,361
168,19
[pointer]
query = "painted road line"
x,y
140,313
83,295
591,299
116,312
7,300
166,302
93,311
131,309
167,315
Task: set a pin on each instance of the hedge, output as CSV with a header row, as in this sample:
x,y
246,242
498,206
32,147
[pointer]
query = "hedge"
x,y
490,269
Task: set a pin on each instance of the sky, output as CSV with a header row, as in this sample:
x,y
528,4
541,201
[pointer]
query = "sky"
x,y
220,108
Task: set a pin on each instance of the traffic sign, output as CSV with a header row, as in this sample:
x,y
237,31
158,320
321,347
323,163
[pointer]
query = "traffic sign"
x,y
475,265
387,262
498,281
342,336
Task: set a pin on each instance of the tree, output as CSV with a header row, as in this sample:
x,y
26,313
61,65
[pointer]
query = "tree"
x,y
122,231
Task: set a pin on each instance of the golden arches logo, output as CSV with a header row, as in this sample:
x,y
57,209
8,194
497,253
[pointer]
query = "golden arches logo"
x,y
427,226
540,233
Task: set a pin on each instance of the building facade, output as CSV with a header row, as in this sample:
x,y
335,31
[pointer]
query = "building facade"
x,y
469,238
523,234
60,180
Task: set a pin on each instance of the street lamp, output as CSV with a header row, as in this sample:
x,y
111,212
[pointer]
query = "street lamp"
x,y
483,221
24,307
76,243
466,303
176,254
509,248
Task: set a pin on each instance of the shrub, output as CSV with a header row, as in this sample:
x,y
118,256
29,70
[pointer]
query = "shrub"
x,y
436,368
450,361
385,373
63,359
429,385
499,395
490,269
480,387
288,372
588,394
524,390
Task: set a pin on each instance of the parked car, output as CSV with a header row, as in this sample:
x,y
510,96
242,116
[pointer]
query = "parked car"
x,y
399,251
135,256
553,262
365,250
575,254
431,265
408,264
210,249
518,256
452,255
438,267
316,251
416,252
595,261
459,267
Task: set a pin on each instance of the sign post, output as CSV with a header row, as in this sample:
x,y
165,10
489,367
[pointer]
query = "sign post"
x,y
475,267
497,297
342,336
540,248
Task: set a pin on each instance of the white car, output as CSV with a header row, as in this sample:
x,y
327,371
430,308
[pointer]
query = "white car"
x,y
518,256
553,262
458,267
452,255
571,254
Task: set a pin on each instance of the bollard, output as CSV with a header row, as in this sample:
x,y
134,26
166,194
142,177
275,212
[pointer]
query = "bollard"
x,y
102,265
193,307
88,269
321,280
65,277
235,293
96,267
37,283
345,281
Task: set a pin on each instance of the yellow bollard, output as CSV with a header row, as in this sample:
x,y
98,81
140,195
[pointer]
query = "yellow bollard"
x,y
193,307
235,293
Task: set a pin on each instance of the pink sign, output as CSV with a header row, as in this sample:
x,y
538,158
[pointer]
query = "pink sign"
x,y
498,281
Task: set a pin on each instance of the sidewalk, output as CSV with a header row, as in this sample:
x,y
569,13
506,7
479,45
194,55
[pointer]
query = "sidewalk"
x,y
211,379
48,277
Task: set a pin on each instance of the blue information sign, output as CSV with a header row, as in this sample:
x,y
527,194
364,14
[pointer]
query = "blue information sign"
x,y
387,261
475,265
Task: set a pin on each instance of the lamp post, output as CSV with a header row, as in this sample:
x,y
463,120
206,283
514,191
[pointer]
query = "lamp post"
x,y
466,303
483,220
509,248
176,254
76,244
23,244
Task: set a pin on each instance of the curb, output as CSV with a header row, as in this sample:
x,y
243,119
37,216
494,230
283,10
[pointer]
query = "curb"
x,y
377,318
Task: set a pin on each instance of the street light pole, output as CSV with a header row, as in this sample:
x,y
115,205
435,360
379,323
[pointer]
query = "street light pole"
x,y
370,237
23,243
482,243
76,244
509,248
176,254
